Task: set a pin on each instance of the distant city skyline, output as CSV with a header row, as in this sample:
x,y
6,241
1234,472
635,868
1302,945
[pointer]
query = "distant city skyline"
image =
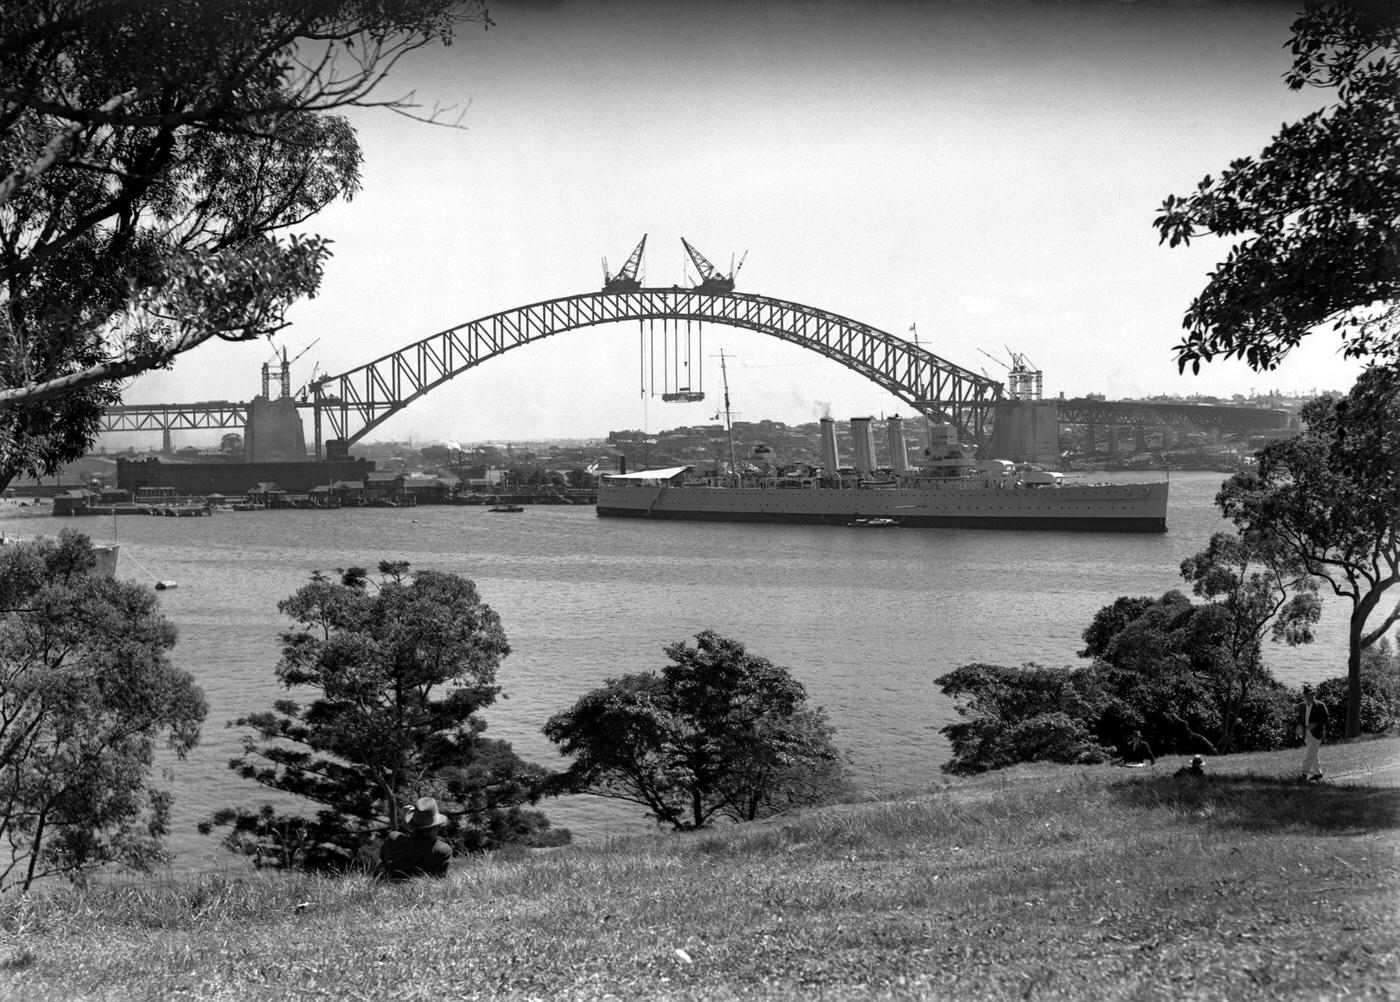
x,y
209,440
984,173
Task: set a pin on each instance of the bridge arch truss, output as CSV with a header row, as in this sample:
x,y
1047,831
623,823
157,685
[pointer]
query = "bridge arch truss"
x,y
349,405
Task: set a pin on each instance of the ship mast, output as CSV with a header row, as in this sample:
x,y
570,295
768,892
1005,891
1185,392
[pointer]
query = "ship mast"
x,y
728,424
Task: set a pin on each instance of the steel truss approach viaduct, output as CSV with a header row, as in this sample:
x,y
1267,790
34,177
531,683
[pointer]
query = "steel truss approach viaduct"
x,y
349,405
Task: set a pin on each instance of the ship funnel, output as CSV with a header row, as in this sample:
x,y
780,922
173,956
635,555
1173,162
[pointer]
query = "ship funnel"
x,y
863,444
830,459
899,452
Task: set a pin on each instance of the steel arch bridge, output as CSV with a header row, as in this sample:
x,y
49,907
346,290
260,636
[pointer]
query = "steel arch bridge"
x,y
349,405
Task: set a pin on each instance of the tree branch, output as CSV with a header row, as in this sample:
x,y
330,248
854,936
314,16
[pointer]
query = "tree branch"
x,y
57,149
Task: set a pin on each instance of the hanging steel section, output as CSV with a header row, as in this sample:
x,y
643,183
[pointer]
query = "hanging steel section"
x,y
349,405
175,417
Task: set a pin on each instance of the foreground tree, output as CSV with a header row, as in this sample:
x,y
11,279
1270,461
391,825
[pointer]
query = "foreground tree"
x,y
717,733
1318,209
86,692
150,155
401,669
1329,499
1253,593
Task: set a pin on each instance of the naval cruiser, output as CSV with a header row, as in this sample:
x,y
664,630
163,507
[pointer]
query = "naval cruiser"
x,y
945,488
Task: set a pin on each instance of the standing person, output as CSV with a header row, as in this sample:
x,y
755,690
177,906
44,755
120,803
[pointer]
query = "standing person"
x,y
1312,727
419,851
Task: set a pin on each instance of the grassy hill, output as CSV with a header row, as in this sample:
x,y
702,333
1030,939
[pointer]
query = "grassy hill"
x,y
1039,882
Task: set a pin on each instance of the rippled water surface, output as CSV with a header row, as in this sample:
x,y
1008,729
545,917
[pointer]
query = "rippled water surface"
x,y
866,618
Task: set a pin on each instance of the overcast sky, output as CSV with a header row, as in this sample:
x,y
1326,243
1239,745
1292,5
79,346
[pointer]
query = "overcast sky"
x,y
987,171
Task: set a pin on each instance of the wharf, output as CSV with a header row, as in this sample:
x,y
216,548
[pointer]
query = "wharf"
x,y
191,510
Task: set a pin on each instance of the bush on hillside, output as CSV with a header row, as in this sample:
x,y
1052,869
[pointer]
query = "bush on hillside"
x,y
1026,714
1187,675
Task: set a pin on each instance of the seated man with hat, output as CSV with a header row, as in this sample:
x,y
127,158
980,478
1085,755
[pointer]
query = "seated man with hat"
x,y
418,851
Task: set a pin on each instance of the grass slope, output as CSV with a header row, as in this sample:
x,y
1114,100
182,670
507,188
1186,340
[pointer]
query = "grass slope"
x,y
1038,882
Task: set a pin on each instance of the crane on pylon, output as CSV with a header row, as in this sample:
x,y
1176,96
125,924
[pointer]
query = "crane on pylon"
x,y
286,373
1023,379
625,280
711,278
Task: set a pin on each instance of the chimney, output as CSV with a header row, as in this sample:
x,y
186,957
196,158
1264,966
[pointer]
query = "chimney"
x,y
863,443
830,460
899,452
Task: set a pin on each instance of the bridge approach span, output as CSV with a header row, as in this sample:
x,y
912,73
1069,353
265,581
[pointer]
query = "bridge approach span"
x,y
349,405
1083,410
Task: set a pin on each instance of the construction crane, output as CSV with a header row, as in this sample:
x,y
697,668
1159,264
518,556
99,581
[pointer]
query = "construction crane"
x,y
1023,379
287,367
301,393
711,278
625,280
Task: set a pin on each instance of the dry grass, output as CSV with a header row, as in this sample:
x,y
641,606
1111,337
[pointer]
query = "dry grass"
x,y
1041,882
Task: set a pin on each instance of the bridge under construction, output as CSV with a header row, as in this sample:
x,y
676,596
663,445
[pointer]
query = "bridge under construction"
x,y
344,407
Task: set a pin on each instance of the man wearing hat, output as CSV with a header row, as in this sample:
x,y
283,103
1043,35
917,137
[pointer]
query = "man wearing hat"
x,y
1312,727
418,851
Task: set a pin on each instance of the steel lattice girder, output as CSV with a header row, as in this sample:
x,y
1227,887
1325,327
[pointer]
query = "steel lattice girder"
x,y
1147,415
355,401
175,417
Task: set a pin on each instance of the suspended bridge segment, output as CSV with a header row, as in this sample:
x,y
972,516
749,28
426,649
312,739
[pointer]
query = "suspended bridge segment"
x,y
350,405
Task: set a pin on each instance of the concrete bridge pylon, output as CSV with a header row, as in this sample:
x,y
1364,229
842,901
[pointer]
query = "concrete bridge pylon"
x,y
1026,431
274,432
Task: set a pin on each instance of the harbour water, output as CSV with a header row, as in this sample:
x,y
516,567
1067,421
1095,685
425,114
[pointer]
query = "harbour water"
x,y
866,619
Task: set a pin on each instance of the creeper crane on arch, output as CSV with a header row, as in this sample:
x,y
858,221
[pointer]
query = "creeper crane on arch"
x,y
625,280
711,278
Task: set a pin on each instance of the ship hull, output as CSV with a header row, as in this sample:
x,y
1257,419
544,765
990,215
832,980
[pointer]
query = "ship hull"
x,y
1085,508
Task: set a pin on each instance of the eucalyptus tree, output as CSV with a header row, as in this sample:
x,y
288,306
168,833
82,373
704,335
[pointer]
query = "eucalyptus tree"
x,y
155,157
1330,500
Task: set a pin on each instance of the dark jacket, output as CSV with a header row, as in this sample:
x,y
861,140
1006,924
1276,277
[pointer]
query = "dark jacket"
x,y
1138,750
1317,720
413,854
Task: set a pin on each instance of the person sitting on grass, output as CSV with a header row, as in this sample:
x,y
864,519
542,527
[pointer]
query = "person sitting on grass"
x,y
419,851
1197,768
1137,751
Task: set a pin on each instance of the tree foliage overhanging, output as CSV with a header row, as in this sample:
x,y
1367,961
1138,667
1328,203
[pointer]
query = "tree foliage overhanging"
x,y
154,158
717,733
1318,209
400,671
86,692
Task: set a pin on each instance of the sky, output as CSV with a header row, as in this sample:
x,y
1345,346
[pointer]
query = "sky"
x,y
986,171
